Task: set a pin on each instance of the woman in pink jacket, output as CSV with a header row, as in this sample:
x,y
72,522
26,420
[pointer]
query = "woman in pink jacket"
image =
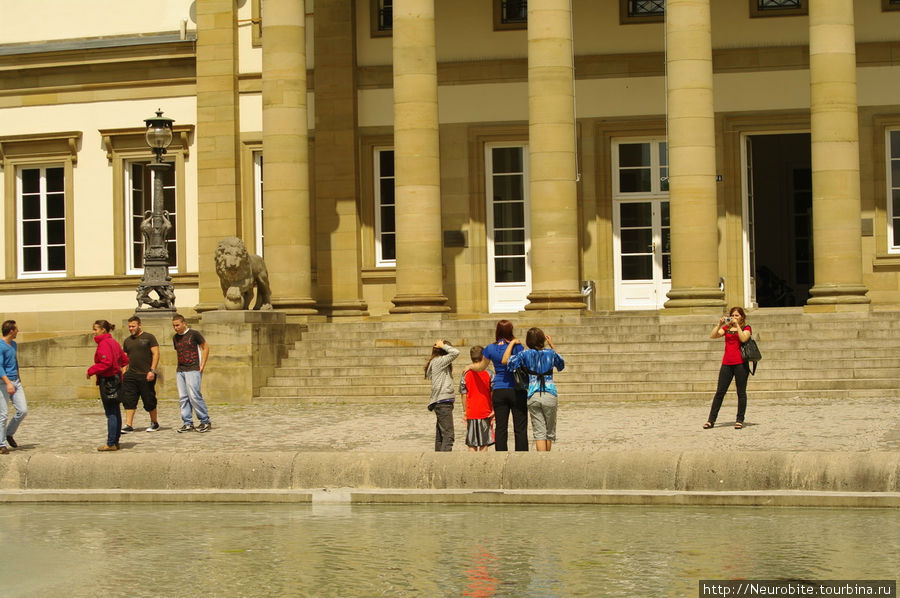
x,y
109,359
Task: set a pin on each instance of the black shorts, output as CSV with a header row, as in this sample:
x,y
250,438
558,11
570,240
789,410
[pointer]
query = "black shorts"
x,y
136,385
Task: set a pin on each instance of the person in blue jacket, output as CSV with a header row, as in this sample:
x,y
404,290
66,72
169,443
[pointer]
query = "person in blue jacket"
x,y
543,398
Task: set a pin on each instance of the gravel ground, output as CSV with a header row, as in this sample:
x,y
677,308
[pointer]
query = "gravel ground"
x,y
799,425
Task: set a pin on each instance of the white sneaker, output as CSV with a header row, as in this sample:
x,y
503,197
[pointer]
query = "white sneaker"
x,y
153,427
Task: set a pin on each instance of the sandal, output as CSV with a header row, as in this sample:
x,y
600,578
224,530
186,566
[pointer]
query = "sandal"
x,y
738,425
708,425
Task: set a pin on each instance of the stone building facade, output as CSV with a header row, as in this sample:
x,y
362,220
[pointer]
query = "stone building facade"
x,y
470,157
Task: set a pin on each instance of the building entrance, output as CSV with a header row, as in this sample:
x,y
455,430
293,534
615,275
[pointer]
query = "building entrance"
x,y
779,219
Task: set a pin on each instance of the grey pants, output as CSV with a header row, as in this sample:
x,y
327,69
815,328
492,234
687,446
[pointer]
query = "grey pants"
x,y
443,430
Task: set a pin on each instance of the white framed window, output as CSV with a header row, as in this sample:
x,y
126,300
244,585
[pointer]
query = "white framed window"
x,y
139,183
41,220
385,227
258,201
640,167
892,154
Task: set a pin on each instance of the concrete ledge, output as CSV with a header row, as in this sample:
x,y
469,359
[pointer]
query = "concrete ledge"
x,y
654,471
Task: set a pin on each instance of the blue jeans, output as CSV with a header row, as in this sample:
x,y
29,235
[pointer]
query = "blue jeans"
x,y
190,398
18,401
113,421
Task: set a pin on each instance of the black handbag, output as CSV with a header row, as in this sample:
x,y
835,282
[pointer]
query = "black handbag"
x,y
750,353
109,387
520,375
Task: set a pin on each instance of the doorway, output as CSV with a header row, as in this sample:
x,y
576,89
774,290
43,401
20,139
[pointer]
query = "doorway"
x,y
778,219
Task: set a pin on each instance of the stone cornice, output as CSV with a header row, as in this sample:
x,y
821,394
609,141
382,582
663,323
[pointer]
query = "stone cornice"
x,y
88,283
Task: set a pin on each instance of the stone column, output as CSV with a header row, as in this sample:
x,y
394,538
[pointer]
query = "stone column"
x,y
417,161
692,157
834,128
551,147
218,139
286,217
337,163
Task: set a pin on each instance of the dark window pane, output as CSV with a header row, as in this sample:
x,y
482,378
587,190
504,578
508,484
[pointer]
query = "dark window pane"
x,y
507,159
801,247
137,176
801,226
637,267
31,207
666,240
136,230
55,180
137,254
634,181
896,203
509,269
635,214
387,191
634,154
895,173
895,144
386,16
56,232
387,220
664,208
667,267
802,178
803,202
644,8
509,236
56,205
173,220
388,247
31,180
509,215
896,231
56,258
508,188
663,154
510,249
169,199
663,179
172,248
802,273
31,256
637,240
386,163
31,232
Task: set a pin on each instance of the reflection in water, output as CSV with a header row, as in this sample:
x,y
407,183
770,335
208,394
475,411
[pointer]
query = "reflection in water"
x,y
429,550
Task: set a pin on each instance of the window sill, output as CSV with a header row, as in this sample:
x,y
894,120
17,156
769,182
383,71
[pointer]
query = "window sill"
x,y
886,262
87,283
379,275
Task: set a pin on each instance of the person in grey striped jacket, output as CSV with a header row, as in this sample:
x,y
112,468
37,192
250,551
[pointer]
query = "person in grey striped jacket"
x,y
439,370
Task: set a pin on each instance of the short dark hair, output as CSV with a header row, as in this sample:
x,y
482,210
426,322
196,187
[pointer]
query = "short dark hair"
x,y
178,317
105,325
504,331
476,353
8,326
535,338
134,319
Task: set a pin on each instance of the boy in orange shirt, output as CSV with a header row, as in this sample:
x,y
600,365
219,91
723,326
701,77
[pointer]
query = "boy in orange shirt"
x,y
478,411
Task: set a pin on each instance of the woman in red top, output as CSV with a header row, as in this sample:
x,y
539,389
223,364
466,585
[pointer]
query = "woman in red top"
x,y
109,359
735,330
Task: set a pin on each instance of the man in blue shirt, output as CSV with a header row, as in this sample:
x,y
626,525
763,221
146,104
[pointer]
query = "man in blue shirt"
x,y
10,387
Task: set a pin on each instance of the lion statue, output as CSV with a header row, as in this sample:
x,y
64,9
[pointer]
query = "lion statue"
x,y
239,273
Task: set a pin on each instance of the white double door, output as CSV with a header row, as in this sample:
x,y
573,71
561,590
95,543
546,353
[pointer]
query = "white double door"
x,y
642,247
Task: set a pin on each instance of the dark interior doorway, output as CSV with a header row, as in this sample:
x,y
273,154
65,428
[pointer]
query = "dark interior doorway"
x,y
780,199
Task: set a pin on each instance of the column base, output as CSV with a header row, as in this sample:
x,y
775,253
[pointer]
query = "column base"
x,y
414,304
693,297
838,294
555,299
338,309
295,306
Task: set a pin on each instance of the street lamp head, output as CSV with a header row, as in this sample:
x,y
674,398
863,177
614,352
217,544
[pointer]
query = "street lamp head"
x,y
159,134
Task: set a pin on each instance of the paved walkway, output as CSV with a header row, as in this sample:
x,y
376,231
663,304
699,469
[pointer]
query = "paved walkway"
x,y
795,425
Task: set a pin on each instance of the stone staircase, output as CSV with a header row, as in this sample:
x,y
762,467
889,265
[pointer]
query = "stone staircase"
x,y
609,356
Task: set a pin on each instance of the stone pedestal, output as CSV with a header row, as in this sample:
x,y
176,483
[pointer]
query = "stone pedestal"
x,y
245,347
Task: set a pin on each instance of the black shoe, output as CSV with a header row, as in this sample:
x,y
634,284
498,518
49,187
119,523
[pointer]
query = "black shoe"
x,y
204,427
185,428
127,429
154,426
11,442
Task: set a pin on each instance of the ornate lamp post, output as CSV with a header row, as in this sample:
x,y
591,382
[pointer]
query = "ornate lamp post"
x,y
156,226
